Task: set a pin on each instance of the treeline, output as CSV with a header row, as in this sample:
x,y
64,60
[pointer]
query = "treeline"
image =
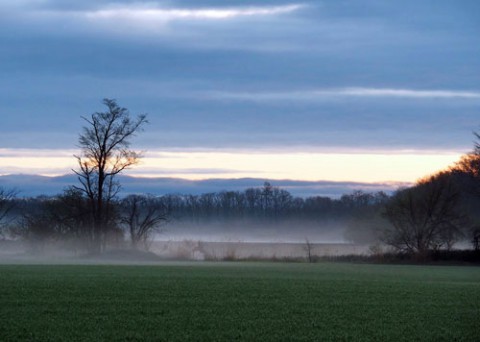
x,y
67,219
431,215
267,204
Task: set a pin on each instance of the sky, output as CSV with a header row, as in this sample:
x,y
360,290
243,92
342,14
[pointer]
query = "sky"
x,y
367,91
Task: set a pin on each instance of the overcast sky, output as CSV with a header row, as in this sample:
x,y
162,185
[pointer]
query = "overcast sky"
x,y
335,77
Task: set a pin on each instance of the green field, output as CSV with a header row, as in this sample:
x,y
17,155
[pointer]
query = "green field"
x,y
239,301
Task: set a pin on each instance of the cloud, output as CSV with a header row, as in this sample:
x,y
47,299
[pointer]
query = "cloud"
x,y
143,13
378,92
243,73
158,171
147,15
39,153
322,94
173,24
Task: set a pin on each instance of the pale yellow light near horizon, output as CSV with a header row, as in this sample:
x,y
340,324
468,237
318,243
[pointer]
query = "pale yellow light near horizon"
x,y
311,166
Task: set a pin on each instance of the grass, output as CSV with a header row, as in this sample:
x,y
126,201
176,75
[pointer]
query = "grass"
x,y
239,301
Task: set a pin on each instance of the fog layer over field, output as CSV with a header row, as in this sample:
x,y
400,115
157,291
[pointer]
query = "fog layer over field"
x,y
214,241
291,231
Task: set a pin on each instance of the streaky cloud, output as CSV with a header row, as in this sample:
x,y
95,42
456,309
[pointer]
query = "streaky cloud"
x,y
410,93
147,13
147,18
168,14
323,94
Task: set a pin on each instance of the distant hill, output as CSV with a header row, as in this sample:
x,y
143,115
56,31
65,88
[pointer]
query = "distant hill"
x,y
35,185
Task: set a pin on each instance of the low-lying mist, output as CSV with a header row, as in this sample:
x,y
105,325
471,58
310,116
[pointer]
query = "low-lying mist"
x,y
215,240
288,231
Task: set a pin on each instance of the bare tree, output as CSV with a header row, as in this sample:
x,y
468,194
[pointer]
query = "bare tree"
x,y
267,193
70,213
366,221
6,206
425,216
476,238
467,173
105,153
37,229
469,165
142,216
308,248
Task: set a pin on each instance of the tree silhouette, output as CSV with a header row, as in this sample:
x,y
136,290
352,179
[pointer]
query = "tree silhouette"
x,y
467,174
142,217
6,206
424,217
105,153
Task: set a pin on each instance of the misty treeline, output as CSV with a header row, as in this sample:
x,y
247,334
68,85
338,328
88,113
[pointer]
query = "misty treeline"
x,y
67,218
90,217
434,214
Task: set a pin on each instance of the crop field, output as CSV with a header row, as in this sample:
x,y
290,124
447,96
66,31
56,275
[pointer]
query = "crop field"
x,y
239,301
